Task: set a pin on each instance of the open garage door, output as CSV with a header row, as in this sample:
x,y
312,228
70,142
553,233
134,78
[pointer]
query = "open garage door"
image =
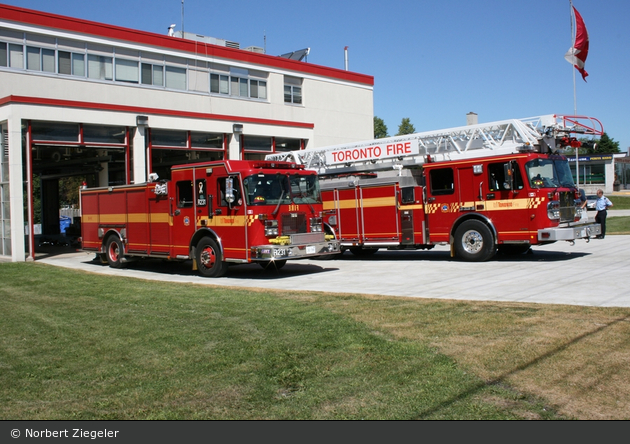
x,y
63,157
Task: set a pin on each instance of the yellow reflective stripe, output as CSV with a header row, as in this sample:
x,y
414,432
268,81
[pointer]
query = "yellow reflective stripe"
x,y
126,218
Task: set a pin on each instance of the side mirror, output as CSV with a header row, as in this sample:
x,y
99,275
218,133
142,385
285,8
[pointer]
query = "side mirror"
x,y
509,178
229,190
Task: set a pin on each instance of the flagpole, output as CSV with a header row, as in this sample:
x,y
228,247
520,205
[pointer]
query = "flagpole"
x,y
572,16
577,150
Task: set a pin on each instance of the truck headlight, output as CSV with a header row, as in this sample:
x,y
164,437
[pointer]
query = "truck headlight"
x,y
271,227
553,210
316,225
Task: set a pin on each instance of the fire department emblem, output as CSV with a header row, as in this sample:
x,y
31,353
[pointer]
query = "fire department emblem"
x,y
444,208
186,221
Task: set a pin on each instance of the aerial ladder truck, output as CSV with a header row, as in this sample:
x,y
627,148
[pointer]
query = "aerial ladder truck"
x,y
484,188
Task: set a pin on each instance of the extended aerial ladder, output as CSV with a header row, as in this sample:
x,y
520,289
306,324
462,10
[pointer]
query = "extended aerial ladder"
x,y
543,134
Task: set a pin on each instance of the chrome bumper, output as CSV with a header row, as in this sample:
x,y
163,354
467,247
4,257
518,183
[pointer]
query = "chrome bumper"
x,y
300,246
570,233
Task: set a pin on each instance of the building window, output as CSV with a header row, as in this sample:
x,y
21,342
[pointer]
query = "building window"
x,y
240,85
206,140
3,54
285,144
71,63
219,84
100,67
16,56
55,131
292,90
257,143
258,89
40,59
127,71
152,74
104,134
5,209
169,138
175,78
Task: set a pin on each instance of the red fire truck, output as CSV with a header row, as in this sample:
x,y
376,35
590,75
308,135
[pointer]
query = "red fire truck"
x,y
482,188
215,213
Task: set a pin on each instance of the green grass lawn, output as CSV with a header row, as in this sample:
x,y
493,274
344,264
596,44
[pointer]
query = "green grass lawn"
x,y
620,202
80,346
618,225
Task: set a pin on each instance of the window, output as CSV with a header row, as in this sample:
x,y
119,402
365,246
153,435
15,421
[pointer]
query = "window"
x,y
55,131
16,56
3,54
239,87
441,181
126,71
152,74
221,183
100,67
206,140
71,63
292,90
219,84
258,89
104,134
175,78
184,194
239,83
257,143
169,138
497,180
284,144
5,210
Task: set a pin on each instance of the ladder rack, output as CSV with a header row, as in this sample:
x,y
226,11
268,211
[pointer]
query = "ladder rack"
x,y
541,134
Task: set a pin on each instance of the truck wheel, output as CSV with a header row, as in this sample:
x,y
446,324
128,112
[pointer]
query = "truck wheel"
x,y
474,242
209,258
114,252
273,265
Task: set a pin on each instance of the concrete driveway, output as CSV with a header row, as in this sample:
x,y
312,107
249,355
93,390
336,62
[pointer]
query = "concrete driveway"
x,y
591,273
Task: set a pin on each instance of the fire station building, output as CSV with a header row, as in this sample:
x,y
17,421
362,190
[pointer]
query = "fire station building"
x,y
111,105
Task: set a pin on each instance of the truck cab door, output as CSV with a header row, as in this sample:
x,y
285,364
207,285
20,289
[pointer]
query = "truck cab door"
x,y
230,220
183,208
506,201
441,202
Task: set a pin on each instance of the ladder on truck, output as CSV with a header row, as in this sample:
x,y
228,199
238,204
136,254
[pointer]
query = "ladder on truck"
x,y
542,134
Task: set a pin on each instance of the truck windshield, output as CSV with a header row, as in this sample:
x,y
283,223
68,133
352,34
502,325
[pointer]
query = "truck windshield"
x,y
549,173
271,189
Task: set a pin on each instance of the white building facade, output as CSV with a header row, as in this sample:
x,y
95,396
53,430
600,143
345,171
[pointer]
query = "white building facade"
x,y
111,105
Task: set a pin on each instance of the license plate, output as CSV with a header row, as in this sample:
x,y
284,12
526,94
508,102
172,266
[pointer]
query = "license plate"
x,y
279,252
311,249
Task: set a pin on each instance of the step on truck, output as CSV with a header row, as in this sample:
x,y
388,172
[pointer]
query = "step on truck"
x,y
215,213
484,188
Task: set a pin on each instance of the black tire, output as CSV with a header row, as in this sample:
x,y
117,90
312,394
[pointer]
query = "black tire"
x,y
114,252
474,242
210,259
361,251
273,265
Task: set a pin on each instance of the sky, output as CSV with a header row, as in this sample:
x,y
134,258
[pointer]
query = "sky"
x,y
433,61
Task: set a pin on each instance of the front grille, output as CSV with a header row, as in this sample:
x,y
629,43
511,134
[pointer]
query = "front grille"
x,y
567,206
293,223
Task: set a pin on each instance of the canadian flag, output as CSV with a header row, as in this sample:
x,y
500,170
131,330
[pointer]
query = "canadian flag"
x,y
579,51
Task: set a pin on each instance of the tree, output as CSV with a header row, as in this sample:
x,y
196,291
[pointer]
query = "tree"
x,y
605,145
405,127
380,129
